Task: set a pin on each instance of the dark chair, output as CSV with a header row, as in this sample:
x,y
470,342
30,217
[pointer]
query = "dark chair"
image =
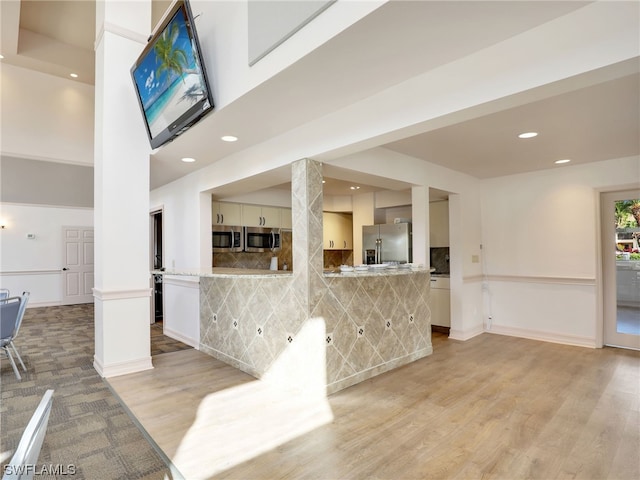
x,y
24,460
11,313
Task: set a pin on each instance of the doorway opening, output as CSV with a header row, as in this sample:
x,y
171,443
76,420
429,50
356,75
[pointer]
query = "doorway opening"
x,y
620,213
157,310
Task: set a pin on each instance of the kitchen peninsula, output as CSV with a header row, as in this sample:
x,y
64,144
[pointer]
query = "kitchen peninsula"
x,y
337,328
373,321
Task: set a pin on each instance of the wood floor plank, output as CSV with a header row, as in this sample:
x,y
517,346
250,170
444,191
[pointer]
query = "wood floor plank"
x,y
493,407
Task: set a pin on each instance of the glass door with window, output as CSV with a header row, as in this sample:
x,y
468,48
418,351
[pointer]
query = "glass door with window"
x,y
621,268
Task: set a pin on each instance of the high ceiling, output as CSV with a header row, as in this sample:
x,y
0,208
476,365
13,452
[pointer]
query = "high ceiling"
x,y
588,118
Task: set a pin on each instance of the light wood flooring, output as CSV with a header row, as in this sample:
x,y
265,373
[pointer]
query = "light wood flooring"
x,y
494,407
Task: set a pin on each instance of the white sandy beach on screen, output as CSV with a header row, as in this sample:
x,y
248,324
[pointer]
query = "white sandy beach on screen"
x,y
175,106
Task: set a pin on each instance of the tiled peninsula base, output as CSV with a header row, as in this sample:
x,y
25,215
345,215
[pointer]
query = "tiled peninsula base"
x,y
248,321
372,322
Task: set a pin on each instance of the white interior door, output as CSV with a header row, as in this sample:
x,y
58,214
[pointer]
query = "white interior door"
x,y
78,265
621,273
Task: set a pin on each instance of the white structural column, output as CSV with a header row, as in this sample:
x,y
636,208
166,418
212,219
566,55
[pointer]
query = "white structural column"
x,y
420,227
122,292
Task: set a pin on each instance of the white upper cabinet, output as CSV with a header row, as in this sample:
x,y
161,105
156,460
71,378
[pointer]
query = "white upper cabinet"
x,y
337,232
224,213
285,218
258,216
245,215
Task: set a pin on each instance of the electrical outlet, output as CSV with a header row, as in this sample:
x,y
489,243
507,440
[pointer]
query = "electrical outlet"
x,y
360,331
329,339
411,318
214,317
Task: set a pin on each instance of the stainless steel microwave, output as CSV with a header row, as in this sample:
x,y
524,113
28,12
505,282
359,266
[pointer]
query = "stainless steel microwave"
x,y
261,239
227,239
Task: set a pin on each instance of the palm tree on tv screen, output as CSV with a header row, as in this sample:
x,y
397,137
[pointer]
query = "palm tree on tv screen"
x,y
171,59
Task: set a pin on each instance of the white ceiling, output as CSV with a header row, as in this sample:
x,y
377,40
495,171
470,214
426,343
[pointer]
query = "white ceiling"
x,y
588,118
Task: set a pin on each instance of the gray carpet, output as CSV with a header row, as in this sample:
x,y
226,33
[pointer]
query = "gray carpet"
x,y
88,427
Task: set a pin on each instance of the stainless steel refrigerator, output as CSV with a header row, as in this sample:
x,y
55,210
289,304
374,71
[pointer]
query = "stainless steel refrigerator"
x,y
386,243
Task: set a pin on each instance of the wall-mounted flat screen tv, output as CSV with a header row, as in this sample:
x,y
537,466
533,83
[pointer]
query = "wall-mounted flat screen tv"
x,y
170,77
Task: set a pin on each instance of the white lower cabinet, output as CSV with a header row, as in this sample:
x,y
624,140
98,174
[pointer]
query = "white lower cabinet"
x,y
440,302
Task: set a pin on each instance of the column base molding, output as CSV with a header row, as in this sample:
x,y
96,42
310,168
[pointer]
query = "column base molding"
x,y
465,335
122,368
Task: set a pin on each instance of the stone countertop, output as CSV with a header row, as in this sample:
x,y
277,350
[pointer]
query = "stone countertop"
x,y
375,272
224,272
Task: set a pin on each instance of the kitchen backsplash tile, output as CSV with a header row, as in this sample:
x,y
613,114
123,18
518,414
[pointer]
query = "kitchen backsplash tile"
x,y
335,258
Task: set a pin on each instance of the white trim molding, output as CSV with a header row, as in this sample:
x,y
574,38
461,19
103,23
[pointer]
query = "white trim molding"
x,y
31,272
105,295
122,368
187,281
192,342
121,32
473,279
465,335
552,337
539,279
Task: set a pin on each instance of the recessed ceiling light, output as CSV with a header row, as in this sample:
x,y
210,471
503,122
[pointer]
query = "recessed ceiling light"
x,y
73,75
355,188
565,160
188,160
229,138
528,135
1,56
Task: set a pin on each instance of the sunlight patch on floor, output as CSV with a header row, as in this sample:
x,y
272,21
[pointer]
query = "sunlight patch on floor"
x,y
243,422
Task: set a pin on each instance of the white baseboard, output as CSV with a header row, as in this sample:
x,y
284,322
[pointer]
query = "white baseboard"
x,y
192,342
44,304
465,335
543,336
122,368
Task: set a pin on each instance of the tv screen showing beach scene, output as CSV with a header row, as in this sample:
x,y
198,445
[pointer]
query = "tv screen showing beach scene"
x,y
170,79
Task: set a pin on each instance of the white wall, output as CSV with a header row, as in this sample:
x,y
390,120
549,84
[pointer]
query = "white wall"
x,y
36,265
43,118
540,240
224,37
46,117
182,309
